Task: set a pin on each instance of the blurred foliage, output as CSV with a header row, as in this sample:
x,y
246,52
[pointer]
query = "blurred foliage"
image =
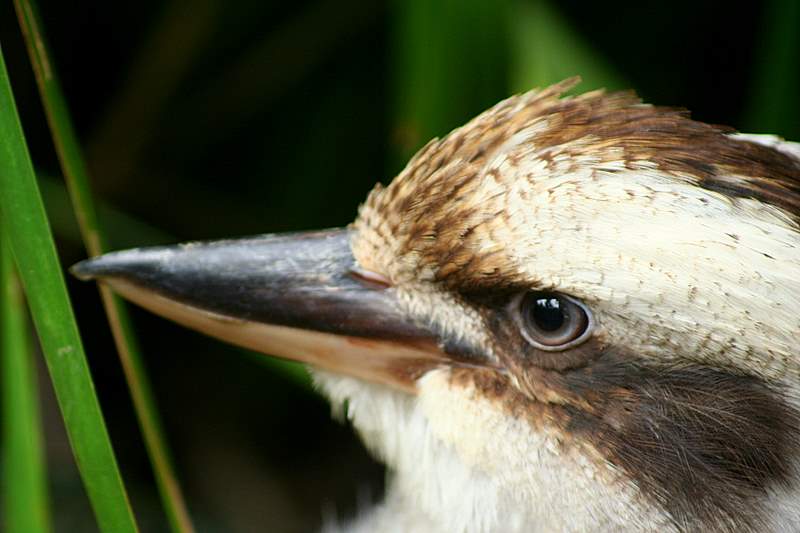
x,y
204,119
774,106
450,59
546,48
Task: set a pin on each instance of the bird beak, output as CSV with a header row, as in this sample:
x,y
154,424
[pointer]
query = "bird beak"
x,y
297,296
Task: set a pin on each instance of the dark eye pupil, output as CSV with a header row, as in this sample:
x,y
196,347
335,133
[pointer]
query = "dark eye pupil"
x,y
548,314
551,321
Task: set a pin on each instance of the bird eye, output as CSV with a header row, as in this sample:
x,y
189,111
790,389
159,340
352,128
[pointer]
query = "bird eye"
x,y
554,322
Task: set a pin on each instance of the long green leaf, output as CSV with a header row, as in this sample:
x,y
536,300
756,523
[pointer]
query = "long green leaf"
x,y
74,168
24,482
26,223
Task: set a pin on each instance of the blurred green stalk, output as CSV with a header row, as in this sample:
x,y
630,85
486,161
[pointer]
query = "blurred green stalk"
x,y
125,231
25,222
72,164
774,105
24,478
449,63
455,58
545,49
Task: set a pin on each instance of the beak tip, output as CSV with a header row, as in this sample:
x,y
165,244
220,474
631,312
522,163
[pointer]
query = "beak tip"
x,y
135,263
86,270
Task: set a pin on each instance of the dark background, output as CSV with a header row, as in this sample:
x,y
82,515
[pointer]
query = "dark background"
x,y
215,118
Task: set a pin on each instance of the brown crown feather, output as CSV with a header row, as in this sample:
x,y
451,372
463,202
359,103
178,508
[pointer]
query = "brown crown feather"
x,y
425,218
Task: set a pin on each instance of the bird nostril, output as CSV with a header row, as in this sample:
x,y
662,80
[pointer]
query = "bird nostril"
x,y
371,278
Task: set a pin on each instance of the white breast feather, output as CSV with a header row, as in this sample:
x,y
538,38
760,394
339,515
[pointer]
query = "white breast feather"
x,y
459,463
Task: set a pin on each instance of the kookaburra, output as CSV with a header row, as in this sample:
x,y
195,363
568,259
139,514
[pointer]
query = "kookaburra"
x,y
570,314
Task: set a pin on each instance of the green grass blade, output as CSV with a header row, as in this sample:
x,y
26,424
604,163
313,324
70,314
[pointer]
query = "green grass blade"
x,y
26,223
125,230
545,50
73,166
24,482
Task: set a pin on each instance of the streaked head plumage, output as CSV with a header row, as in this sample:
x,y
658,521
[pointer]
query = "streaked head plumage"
x,y
682,238
570,314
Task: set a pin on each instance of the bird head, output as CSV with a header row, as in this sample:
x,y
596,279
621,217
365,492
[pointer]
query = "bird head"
x,y
571,313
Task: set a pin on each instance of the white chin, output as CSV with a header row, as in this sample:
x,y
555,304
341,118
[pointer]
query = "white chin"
x,y
460,463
